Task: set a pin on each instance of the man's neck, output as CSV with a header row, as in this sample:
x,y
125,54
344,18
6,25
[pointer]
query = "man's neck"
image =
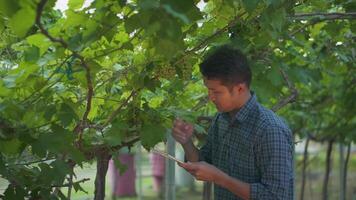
x,y
243,101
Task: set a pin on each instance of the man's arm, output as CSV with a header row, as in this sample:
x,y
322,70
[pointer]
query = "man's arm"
x,y
182,132
276,169
191,151
276,156
205,172
239,188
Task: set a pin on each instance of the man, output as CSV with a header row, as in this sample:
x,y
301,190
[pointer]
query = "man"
x,y
249,149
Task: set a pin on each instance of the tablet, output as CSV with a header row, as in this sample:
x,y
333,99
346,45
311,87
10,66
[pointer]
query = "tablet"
x,y
166,155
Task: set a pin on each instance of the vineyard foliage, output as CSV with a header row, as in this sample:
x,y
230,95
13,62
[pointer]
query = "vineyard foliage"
x,y
96,78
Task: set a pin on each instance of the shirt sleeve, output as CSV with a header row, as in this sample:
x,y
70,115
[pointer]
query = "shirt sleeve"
x,y
205,153
275,152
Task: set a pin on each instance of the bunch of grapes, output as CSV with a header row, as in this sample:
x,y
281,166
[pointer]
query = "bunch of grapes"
x,y
182,69
166,71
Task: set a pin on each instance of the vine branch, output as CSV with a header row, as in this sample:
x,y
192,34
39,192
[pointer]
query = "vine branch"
x,y
324,16
128,143
113,115
290,98
118,48
47,81
69,184
39,11
35,161
203,43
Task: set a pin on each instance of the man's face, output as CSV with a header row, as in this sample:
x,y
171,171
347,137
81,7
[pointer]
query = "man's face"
x,y
225,99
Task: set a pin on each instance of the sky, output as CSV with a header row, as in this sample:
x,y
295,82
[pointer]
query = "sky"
x,y
62,4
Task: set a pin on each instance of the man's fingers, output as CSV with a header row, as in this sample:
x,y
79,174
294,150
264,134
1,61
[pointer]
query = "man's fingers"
x,y
181,139
192,169
187,127
178,122
178,133
181,124
190,166
192,172
180,164
178,130
183,165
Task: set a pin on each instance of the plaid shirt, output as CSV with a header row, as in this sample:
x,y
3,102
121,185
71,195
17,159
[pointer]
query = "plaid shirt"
x,y
255,147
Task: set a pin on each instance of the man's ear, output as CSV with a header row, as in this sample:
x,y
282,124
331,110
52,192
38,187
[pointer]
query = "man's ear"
x,y
239,88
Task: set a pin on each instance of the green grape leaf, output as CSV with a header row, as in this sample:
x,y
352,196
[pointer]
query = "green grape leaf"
x,y
151,84
199,128
9,7
32,54
22,21
40,41
151,134
61,168
74,19
184,10
13,192
75,4
57,141
10,147
4,92
178,15
250,5
277,19
2,165
350,6
275,76
116,133
77,187
2,24
148,4
140,20
75,42
66,114
118,165
167,48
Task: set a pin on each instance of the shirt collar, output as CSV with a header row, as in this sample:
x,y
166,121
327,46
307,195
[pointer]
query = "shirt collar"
x,y
245,110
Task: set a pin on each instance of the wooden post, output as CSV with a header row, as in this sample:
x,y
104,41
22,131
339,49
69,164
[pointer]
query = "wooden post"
x,y
170,193
207,187
139,170
342,185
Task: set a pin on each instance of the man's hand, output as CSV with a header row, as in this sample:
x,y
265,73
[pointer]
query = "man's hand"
x,y
182,132
204,172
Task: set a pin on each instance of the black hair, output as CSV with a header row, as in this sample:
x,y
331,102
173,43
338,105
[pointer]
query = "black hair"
x,y
228,65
